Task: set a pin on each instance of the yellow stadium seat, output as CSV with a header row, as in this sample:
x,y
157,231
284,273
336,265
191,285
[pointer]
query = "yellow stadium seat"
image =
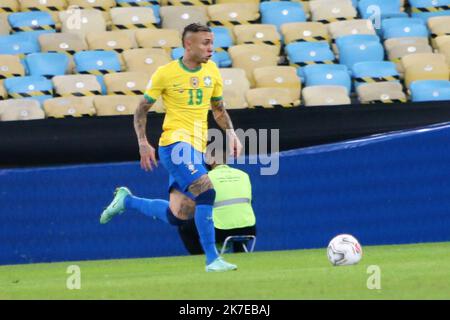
x,y
82,21
351,27
177,17
231,14
257,34
10,66
438,26
270,98
252,56
328,11
279,77
404,41
20,109
425,66
235,86
381,92
114,105
325,95
83,85
126,83
109,40
158,38
304,31
133,18
145,60
69,107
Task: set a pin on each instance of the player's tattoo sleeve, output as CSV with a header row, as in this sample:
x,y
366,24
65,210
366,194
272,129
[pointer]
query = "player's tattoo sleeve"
x,y
221,115
140,120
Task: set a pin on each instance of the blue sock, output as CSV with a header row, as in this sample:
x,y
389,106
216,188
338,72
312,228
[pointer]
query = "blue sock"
x,y
153,208
205,225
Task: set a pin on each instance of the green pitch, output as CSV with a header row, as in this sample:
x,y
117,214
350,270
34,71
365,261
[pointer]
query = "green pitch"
x,y
406,272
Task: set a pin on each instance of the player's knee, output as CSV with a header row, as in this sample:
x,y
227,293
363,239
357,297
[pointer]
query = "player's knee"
x,y
206,198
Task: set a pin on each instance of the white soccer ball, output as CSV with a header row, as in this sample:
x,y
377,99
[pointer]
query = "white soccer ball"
x,y
344,250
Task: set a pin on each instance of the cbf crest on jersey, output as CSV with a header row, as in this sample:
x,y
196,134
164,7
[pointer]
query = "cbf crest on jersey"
x,y
207,81
195,82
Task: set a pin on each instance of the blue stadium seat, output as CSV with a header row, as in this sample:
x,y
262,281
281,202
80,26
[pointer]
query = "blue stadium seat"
x,y
47,64
327,74
19,43
374,71
388,8
278,13
302,54
430,90
31,21
97,63
403,27
358,48
34,87
222,37
425,9
222,59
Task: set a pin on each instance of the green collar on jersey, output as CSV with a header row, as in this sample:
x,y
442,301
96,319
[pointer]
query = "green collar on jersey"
x,y
184,67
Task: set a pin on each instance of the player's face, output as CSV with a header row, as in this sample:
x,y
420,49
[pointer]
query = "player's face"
x,y
201,46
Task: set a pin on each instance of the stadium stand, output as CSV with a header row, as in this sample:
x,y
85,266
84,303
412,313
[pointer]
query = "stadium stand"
x,y
279,77
145,59
116,105
328,74
69,107
425,66
47,64
304,31
270,98
20,109
381,92
126,83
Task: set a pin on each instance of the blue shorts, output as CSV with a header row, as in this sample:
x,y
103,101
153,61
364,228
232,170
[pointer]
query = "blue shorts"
x,y
184,164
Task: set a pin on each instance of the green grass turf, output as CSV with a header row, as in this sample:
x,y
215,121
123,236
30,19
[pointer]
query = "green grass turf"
x,y
419,271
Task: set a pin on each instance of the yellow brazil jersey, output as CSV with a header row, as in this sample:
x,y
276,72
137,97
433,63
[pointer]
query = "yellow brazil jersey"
x,y
186,95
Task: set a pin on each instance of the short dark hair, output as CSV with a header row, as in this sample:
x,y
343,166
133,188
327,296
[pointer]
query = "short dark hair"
x,y
194,27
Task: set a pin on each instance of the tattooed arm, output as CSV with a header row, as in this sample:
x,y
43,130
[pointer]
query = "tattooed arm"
x,y
224,121
146,151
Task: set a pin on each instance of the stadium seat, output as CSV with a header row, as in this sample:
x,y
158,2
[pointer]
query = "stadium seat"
x,y
279,13
257,34
439,26
104,6
235,86
270,98
252,56
223,37
79,85
92,20
325,95
116,105
430,90
31,21
62,42
328,11
396,53
9,6
47,64
381,92
412,41
328,74
69,107
158,38
230,14
386,8
403,27
374,71
109,40
304,31
134,18
34,87
11,66
279,77
5,28
18,44
425,66
20,109
145,60
426,9
358,48
126,83
51,6
302,54
350,27
177,17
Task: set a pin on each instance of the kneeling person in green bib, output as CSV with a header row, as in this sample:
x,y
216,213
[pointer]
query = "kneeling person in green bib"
x,y
232,211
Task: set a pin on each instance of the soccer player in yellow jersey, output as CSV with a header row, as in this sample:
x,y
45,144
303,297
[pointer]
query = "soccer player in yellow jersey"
x,y
188,86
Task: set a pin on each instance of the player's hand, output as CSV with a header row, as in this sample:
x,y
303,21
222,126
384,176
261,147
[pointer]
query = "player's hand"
x,y
235,145
148,157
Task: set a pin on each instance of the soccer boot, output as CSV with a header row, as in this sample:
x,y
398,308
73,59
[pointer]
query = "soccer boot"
x,y
220,265
117,206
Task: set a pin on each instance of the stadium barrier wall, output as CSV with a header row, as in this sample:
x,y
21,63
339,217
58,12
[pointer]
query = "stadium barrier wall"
x,y
385,189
